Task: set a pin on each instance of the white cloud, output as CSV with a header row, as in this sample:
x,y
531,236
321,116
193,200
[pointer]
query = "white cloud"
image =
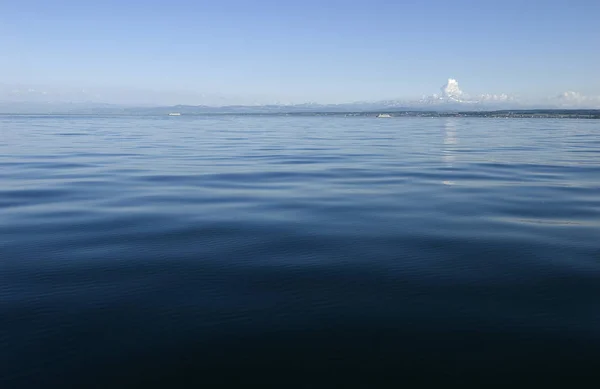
x,y
451,90
572,99
451,93
499,97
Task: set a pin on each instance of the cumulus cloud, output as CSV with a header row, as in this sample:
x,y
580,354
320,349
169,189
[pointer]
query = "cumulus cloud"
x,y
451,90
576,99
498,97
451,93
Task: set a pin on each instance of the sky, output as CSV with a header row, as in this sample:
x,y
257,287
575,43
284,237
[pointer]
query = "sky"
x,y
237,51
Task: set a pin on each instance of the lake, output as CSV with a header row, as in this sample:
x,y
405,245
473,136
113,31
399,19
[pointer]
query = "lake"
x,y
297,251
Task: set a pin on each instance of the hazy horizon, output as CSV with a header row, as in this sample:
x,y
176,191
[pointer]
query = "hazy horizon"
x,y
449,94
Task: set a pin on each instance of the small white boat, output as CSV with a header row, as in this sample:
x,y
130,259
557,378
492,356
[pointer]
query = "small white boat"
x,y
384,115
174,114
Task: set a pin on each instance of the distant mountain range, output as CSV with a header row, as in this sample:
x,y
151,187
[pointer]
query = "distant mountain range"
x,y
432,103
389,106
42,100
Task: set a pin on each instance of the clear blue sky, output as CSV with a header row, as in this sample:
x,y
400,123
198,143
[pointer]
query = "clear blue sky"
x,y
304,50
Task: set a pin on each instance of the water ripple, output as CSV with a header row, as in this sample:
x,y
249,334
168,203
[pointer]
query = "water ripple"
x,y
428,246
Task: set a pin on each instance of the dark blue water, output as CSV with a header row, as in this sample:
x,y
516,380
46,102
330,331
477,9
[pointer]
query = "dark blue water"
x,y
297,252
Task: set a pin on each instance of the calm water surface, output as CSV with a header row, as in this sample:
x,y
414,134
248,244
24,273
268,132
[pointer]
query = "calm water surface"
x,y
297,252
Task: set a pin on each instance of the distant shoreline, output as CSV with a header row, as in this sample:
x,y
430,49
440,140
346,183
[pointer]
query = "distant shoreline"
x,y
503,114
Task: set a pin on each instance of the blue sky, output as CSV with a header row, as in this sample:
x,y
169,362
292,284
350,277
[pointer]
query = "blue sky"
x,y
325,51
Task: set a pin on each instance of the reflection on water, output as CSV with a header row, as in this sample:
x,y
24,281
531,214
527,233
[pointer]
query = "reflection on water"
x,y
448,150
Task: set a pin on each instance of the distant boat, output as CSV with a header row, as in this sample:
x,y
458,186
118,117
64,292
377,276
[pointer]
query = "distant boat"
x,y
174,114
384,115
